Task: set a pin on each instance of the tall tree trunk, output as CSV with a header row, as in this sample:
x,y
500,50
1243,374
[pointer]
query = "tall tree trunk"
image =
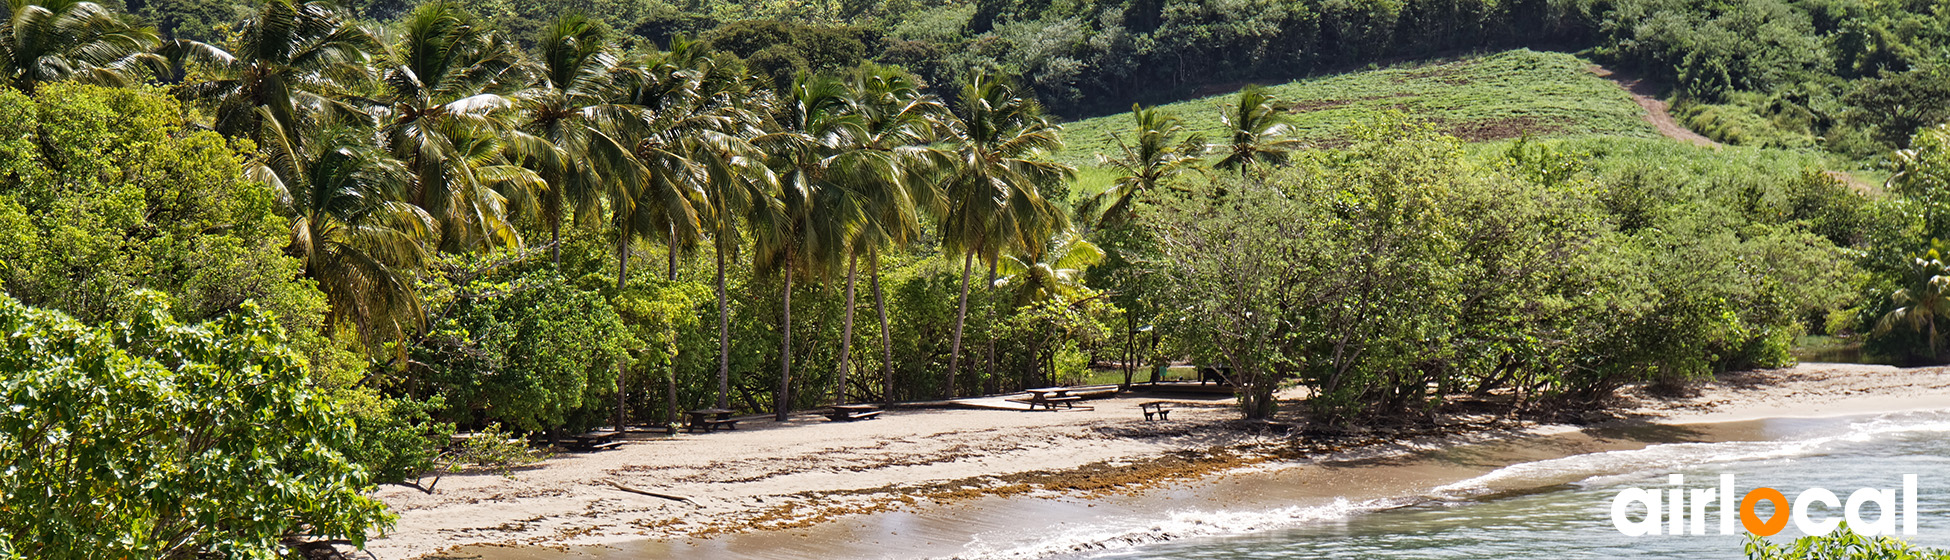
x,y
622,259
1130,330
672,245
784,400
724,332
620,420
961,317
622,273
846,332
886,340
670,392
994,385
555,240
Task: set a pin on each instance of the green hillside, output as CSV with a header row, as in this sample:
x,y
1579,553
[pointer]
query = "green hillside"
x,y
1498,96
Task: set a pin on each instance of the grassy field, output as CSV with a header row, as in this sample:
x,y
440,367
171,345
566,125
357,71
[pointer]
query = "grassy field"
x,y
1491,97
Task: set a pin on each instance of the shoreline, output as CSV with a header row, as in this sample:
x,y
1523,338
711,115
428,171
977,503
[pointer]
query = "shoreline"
x,y
811,481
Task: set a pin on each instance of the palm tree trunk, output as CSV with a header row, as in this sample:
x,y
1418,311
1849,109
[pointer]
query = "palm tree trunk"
x,y
724,333
620,372
672,245
1130,331
994,385
886,341
846,332
961,317
622,258
784,400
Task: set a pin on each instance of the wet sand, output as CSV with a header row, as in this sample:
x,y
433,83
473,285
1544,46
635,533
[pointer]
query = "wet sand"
x,y
975,483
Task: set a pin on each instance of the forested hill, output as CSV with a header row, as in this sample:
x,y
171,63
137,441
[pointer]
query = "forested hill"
x,y
1856,76
1514,94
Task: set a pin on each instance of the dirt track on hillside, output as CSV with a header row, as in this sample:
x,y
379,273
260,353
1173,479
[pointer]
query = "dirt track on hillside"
x,y
1655,110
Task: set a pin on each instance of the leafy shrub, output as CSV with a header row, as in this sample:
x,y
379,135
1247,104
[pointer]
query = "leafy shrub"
x,y
153,439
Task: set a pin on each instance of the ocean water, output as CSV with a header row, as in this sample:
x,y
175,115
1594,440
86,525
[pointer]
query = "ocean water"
x,y
1556,508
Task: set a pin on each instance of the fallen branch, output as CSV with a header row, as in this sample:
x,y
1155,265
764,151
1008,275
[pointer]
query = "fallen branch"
x,y
671,497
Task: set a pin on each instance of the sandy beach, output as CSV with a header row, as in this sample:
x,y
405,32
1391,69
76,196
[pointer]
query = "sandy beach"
x,y
810,474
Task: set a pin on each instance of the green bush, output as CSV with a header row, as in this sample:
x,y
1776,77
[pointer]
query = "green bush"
x,y
154,439
1842,544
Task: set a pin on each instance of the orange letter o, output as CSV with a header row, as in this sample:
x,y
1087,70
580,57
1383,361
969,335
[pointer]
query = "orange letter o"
x,y
1752,521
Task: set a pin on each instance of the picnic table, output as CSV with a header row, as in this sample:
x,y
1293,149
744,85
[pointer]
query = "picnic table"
x,y
852,412
1049,397
710,419
597,440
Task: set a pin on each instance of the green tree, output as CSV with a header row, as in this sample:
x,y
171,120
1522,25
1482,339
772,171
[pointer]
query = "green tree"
x,y
291,59
359,243
1159,155
1923,299
153,439
53,40
991,182
446,120
1258,133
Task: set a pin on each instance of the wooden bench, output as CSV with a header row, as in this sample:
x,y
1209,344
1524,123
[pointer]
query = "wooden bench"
x,y
1156,409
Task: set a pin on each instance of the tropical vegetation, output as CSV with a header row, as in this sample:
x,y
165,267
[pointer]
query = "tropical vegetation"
x,y
377,223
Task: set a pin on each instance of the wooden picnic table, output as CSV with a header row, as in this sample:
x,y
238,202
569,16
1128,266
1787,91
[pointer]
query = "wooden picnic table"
x,y
851,412
1049,397
597,440
710,419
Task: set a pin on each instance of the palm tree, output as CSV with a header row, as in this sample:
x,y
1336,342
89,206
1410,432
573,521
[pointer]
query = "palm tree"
x,y
991,187
1158,156
444,119
899,121
1052,270
1924,299
572,106
356,239
288,59
821,162
53,40
1259,132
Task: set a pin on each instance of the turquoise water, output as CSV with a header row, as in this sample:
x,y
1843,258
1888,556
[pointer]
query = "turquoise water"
x,y
1561,508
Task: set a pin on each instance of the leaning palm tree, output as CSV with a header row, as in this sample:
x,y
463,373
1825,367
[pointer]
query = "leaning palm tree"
x,y
45,41
445,118
1258,130
991,185
357,240
1159,155
291,59
1924,300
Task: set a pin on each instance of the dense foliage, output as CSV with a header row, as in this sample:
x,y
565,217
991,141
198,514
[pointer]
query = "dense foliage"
x,y
1843,544
1397,273
509,216
154,439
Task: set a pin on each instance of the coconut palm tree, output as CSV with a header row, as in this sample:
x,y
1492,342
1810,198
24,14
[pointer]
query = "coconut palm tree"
x,y
824,167
1052,270
357,240
573,107
445,118
992,183
901,122
53,40
1259,132
291,58
1923,300
1159,155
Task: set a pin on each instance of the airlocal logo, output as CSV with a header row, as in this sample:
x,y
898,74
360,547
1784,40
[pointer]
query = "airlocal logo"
x,y
1679,514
